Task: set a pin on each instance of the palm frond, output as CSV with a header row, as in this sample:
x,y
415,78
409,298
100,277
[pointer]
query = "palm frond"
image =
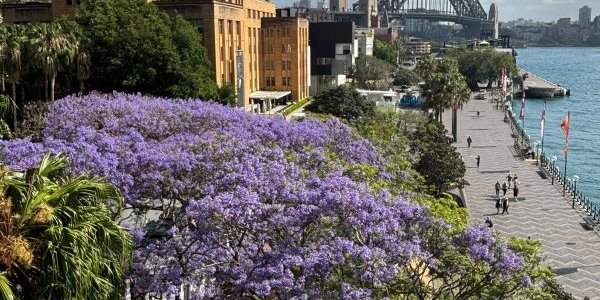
x,y
6,292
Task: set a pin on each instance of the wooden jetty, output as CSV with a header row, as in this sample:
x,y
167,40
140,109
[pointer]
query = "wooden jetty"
x,y
538,87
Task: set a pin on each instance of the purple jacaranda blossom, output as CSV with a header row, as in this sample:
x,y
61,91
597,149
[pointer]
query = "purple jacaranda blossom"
x,y
250,206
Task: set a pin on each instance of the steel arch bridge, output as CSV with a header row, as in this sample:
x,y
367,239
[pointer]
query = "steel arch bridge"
x,y
466,12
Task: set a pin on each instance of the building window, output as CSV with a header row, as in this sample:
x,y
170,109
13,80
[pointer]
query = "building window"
x,y
346,50
221,26
249,14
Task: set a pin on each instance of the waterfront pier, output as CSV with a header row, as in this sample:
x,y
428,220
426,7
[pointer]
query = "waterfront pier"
x,y
538,87
540,212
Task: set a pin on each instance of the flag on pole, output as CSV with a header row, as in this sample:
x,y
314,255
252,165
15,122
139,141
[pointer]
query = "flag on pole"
x,y
565,125
542,122
522,115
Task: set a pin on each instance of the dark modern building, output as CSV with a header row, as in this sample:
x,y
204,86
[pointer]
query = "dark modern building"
x,y
333,53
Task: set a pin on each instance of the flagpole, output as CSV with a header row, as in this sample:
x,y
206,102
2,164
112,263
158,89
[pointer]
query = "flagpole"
x,y
567,154
544,120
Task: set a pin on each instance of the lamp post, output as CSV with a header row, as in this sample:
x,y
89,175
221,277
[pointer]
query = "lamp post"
x,y
536,153
553,160
575,179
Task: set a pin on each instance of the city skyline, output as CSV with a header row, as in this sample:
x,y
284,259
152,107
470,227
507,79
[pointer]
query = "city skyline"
x,y
541,10
538,10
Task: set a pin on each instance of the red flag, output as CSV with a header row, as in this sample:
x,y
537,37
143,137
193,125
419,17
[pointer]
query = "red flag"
x,y
564,125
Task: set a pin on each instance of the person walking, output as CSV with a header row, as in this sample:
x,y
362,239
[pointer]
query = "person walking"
x,y
469,141
515,177
497,186
498,205
478,114
516,191
488,222
509,178
478,159
505,205
504,188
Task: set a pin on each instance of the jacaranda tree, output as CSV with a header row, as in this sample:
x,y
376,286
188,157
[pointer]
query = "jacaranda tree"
x,y
232,205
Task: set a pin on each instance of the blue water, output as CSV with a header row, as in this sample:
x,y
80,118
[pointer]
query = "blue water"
x,y
579,70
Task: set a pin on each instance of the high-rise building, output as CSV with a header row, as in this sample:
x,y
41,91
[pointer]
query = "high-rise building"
x,y
494,17
585,16
338,5
285,56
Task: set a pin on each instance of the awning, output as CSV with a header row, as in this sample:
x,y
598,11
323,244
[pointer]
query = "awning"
x,y
269,94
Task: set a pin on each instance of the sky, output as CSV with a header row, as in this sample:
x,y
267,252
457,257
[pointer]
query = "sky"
x,y
542,10
539,10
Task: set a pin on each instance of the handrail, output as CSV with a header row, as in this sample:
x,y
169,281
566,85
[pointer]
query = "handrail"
x,y
591,208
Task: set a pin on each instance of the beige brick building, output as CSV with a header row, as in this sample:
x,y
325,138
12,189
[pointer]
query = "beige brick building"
x,y
286,56
232,35
226,27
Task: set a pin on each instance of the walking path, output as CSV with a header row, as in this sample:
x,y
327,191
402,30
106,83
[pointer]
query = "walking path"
x,y
540,212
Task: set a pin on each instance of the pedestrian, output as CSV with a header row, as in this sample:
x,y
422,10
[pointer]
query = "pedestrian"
x,y
478,159
504,188
509,178
497,186
498,205
469,141
488,222
505,205
478,114
515,177
516,191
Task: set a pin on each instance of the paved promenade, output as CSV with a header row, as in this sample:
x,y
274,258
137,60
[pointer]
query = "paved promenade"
x,y
540,212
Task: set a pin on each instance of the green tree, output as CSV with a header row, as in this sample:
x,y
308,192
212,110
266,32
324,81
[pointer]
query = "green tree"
x,y
136,48
406,77
227,96
7,105
58,238
343,102
445,88
483,65
11,58
438,161
372,73
55,49
386,52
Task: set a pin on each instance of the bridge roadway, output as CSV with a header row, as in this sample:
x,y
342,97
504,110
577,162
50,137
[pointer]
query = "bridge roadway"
x,y
540,212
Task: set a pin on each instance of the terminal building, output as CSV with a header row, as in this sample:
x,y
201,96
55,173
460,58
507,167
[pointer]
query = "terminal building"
x,y
232,35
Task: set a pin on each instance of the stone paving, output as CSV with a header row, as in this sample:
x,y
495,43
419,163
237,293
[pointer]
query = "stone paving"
x,y
540,211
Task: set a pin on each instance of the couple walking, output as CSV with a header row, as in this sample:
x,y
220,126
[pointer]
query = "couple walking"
x,y
503,202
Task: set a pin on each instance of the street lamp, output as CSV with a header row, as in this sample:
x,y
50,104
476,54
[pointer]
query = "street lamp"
x,y
575,179
553,160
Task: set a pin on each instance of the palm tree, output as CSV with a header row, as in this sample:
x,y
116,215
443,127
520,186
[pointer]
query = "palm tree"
x,y
58,236
55,49
3,34
445,88
12,63
6,105
6,291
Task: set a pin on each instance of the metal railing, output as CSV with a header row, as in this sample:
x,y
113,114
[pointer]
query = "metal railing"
x,y
552,170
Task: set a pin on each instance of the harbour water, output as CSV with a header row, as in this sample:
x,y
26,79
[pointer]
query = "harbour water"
x,y
579,70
